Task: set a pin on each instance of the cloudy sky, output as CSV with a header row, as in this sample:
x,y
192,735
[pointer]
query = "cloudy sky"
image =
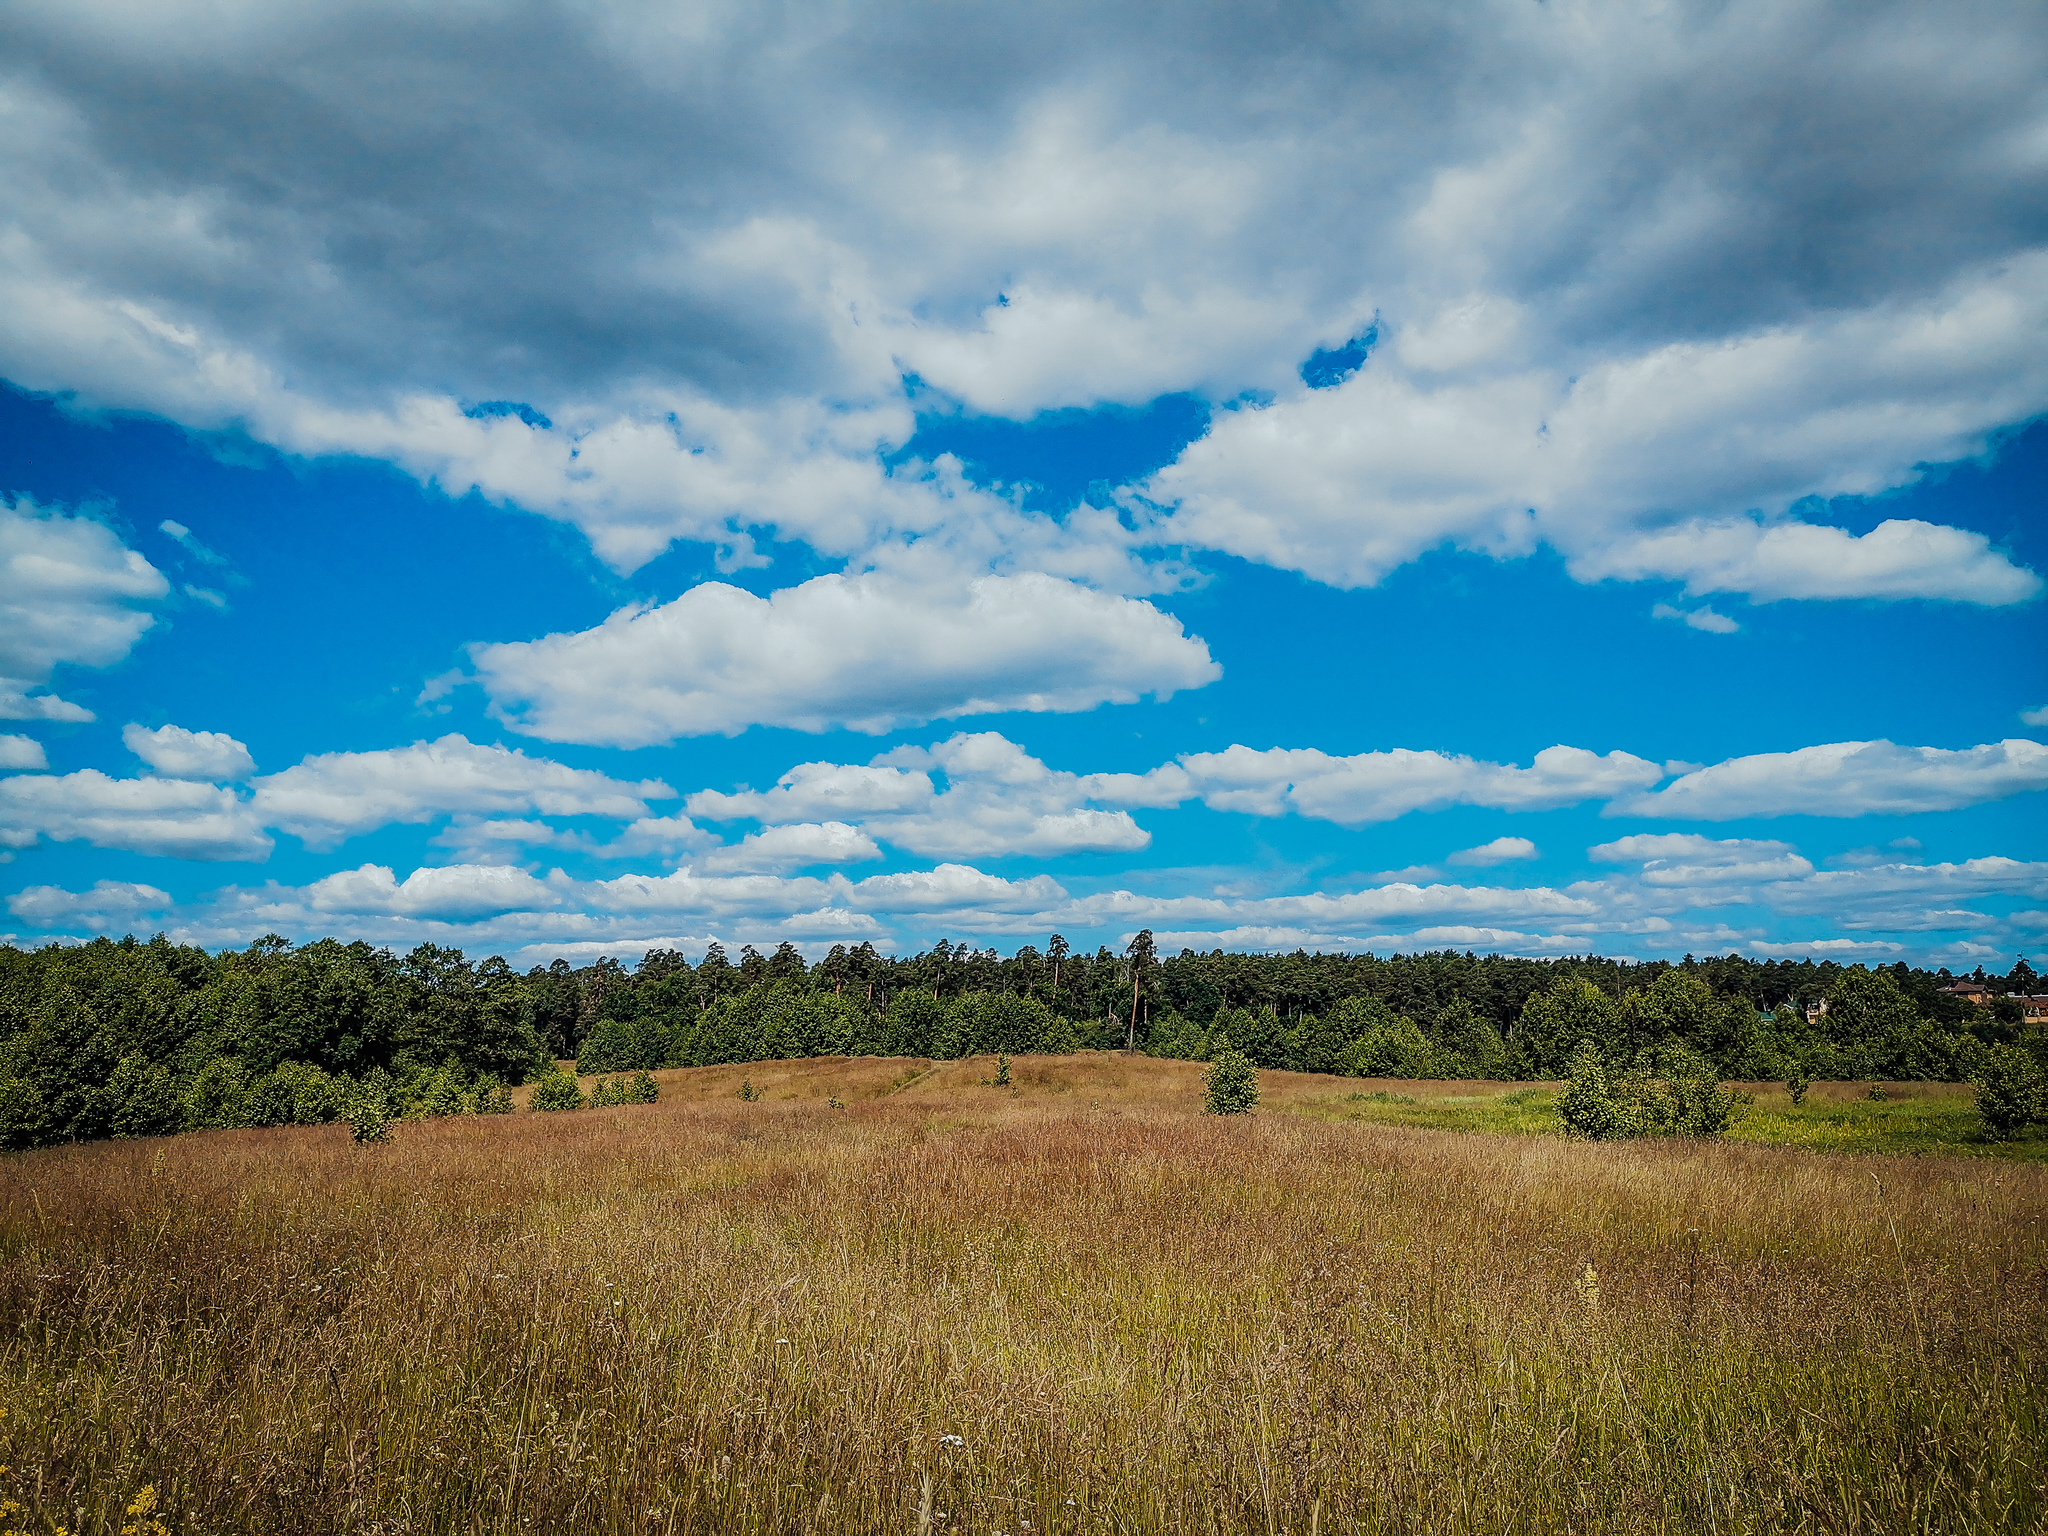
x,y
560,479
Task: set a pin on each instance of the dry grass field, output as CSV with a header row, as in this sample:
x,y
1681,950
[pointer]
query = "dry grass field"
x,y
1075,1305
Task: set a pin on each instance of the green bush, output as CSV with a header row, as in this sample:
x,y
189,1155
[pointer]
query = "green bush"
x,y
1586,1106
492,1096
1231,1085
643,1089
1796,1084
2011,1092
556,1090
1670,1091
369,1112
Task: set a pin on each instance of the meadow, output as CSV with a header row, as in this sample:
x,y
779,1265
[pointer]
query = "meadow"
x,y
1073,1304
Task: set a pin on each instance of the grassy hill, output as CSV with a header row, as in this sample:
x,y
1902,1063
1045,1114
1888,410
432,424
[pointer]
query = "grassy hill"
x,y
1069,1305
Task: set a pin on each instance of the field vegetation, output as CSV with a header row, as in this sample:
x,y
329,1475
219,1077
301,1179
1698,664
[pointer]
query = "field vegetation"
x,y
892,1295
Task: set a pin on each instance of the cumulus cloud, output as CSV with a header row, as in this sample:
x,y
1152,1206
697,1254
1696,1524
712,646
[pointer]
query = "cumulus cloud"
x,y
1502,850
169,817
1847,778
109,904
1698,618
1900,557
70,591
21,752
1379,786
1079,204
1688,860
866,652
1674,462
2034,716
176,753
453,891
995,799
793,847
333,796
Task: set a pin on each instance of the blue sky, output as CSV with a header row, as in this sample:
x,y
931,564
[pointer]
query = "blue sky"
x,y
1532,481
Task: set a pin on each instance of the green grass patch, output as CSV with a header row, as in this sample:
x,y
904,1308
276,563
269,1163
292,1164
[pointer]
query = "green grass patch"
x,y
1917,1118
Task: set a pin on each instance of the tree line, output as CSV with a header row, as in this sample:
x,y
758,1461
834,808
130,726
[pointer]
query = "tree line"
x,y
126,1038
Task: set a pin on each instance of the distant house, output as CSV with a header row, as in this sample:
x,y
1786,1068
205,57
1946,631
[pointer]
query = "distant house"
x,y
1970,992
2033,1009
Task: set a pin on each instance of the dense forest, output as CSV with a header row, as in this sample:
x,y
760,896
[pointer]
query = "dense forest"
x,y
132,1039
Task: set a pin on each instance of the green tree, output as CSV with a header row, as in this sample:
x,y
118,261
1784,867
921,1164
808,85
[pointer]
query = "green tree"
x,y
1557,1022
1231,1085
556,1090
2011,1091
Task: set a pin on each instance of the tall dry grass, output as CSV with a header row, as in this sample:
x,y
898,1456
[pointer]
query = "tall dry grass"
x,y
714,1316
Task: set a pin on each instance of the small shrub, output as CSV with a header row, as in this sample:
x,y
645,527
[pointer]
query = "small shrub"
x,y
1002,1071
1796,1084
1877,1095
369,1116
1231,1085
1586,1106
834,1102
2011,1093
643,1089
1671,1091
748,1092
556,1090
492,1096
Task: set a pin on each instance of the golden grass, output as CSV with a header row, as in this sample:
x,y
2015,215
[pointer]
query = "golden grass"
x,y
707,1315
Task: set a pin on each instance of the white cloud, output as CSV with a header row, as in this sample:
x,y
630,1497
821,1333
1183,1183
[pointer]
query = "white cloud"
x,y
867,652
1899,558
70,591
169,817
1039,209
21,752
996,799
176,753
16,705
1379,786
1649,464
1502,850
1685,859
951,887
453,891
1828,949
109,904
1699,618
2034,716
793,846
1848,778
328,798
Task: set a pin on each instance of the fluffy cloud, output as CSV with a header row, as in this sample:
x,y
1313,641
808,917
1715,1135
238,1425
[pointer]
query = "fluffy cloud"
x,y
70,591
1078,204
1347,483
334,796
176,753
996,799
951,888
1379,786
793,847
169,817
1698,618
21,752
1502,850
1847,778
868,652
109,904
1685,859
453,891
